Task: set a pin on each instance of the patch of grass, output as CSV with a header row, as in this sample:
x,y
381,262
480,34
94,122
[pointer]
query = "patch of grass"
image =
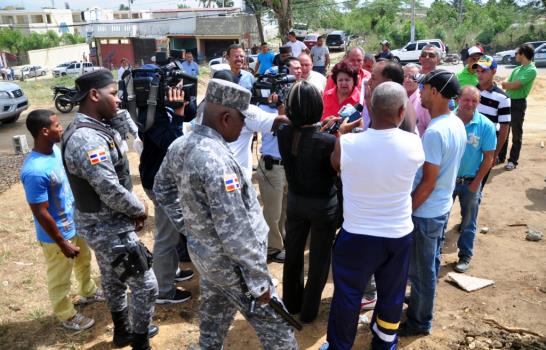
x,y
39,91
36,314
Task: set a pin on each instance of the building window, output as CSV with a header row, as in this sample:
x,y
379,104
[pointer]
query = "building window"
x,y
104,41
36,19
113,41
124,41
48,17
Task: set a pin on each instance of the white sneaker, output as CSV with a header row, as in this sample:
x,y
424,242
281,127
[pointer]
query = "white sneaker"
x,y
78,323
368,304
510,166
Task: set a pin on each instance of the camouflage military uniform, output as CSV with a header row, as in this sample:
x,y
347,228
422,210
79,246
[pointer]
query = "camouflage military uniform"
x,y
225,230
101,229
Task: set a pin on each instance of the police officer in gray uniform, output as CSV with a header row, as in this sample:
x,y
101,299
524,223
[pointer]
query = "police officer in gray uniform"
x,y
201,182
107,212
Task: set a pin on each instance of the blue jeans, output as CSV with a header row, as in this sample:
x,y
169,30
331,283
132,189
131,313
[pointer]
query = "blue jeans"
x,y
428,239
470,202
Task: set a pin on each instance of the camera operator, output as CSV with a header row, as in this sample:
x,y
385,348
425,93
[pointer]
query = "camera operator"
x,y
280,59
166,128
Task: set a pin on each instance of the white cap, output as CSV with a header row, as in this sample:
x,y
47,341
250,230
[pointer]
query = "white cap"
x,y
473,50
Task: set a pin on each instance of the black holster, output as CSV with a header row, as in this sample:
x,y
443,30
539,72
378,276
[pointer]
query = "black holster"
x,y
268,162
133,259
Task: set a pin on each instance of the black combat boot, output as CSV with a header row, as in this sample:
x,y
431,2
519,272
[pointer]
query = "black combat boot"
x,y
122,328
141,341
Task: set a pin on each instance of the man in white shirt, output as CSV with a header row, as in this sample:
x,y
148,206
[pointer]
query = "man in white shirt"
x,y
297,46
307,73
376,234
124,65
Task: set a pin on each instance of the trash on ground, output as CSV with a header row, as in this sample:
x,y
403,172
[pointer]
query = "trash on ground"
x,y
468,283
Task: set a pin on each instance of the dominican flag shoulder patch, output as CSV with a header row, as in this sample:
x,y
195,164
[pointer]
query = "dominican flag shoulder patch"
x,y
97,156
231,182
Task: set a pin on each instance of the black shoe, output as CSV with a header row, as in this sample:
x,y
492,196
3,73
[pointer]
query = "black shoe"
x,y
122,329
462,265
277,256
141,341
183,275
180,296
152,330
405,331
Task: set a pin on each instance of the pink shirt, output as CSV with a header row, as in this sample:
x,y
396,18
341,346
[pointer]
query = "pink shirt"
x,y
331,104
423,115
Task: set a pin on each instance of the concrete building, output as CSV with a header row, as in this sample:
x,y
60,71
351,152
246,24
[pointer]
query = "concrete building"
x,y
39,21
204,31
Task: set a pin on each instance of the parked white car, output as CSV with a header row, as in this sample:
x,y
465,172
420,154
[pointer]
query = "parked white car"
x,y
60,70
13,102
29,71
412,50
509,56
79,68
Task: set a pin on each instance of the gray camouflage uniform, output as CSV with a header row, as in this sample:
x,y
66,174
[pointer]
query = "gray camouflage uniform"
x,y
225,231
118,208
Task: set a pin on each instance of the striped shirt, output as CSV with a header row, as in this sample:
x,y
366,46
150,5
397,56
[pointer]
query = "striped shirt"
x,y
495,105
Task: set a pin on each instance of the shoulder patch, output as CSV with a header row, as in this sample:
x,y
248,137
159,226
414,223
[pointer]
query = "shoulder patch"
x,y
97,155
231,182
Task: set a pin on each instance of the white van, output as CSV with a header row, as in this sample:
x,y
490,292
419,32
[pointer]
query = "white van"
x,y
412,50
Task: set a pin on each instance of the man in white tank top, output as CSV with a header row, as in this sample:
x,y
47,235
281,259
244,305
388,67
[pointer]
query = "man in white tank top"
x,y
377,169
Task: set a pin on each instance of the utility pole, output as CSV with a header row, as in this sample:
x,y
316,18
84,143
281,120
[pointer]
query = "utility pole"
x,y
52,4
412,30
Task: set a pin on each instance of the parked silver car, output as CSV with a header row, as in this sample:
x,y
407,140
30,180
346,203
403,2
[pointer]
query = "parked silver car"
x,y
540,56
13,102
30,71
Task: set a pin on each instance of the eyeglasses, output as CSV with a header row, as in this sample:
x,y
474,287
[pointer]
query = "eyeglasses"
x,y
428,55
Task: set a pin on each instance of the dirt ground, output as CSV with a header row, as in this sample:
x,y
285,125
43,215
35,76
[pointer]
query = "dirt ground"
x,y
502,316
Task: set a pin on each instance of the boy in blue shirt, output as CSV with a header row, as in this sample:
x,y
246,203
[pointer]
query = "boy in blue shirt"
x,y
51,201
265,59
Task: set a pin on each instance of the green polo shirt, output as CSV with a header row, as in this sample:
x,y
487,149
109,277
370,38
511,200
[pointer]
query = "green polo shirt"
x,y
526,75
467,78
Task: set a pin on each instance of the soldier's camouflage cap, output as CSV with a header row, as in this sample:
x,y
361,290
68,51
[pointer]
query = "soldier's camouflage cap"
x,y
229,95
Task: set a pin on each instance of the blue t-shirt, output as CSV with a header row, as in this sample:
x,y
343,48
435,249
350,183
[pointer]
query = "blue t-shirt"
x,y
266,61
481,137
44,180
191,68
246,80
444,143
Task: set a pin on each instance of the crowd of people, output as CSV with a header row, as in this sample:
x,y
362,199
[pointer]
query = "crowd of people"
x,y
369,192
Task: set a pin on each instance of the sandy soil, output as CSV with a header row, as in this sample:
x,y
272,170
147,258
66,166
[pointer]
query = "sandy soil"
x,y
516,302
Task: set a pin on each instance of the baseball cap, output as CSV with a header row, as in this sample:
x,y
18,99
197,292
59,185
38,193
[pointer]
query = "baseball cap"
x,y
231,95
93,80
385,42
486,62
445,82
474,50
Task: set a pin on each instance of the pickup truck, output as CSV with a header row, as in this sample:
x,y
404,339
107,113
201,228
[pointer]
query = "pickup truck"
x,y
60,70
80,67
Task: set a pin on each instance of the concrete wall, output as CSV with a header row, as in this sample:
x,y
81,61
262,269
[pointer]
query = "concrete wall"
x,y
56,55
